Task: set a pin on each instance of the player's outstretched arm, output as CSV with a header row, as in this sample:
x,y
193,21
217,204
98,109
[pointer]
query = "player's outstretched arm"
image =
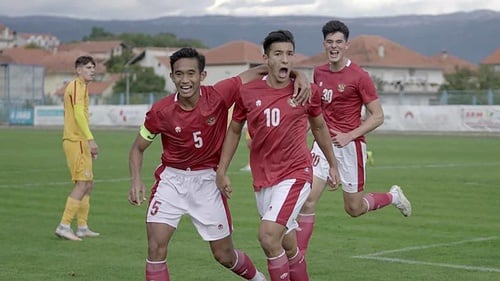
x,y
228,149
301,87
256,72
137,192
319,130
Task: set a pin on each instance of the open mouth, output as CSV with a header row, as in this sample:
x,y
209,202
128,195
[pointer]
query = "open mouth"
x,y
283,72
334,53
185,89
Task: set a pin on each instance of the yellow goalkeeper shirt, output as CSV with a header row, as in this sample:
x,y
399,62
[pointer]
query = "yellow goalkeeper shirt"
x,y
76,111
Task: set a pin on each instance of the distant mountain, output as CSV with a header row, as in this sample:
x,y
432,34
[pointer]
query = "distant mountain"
x,y
468,35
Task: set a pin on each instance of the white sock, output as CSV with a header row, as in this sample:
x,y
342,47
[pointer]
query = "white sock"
x,y
395,197
259,277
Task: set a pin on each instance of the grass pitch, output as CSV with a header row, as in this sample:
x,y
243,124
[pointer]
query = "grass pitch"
x,y
453,183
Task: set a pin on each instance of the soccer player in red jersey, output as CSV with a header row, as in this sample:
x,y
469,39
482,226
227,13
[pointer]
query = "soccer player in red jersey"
x,y
279,155
192,124
346,88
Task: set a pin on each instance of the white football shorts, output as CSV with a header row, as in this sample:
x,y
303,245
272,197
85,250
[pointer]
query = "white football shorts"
x,y
192,193
351,161
282,202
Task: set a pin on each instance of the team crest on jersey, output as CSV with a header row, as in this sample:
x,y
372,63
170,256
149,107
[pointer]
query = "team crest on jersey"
x,y
211,121
320,83
258,103
178,129
292,102
341,88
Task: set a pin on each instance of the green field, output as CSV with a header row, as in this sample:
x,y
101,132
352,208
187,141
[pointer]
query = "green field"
x,y
454,233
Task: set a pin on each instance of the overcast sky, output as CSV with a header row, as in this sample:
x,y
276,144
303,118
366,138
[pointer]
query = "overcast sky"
x,y
149,9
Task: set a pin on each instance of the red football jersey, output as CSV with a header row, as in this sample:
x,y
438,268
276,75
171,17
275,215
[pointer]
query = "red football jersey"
x,y
192,139
278,128
343,95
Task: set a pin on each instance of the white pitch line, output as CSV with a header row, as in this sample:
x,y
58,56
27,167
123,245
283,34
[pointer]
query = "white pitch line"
x,y
456,266
377,255
432,166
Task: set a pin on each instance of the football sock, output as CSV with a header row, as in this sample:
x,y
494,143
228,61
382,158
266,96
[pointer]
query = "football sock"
x,y
395,197
83,212
376,201
72,206
298,267
278,268
157,271
243,266
305,230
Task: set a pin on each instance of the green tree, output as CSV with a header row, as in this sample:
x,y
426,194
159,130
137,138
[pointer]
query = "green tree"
x,y
158,40
488,78
142,81
143,39
32,46
117,64
466,79
99,34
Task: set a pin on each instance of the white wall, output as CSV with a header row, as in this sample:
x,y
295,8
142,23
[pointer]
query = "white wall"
x,y
397,118
216,73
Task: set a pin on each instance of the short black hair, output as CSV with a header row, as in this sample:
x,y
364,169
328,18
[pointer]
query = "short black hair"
x,y
188,53
277,36
83,60
334,26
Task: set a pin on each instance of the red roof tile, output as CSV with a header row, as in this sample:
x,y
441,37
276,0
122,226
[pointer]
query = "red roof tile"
x,y
91,46
23,55
234,52
96,87
5,59
493,58
450,63
373,50
64,62
238,52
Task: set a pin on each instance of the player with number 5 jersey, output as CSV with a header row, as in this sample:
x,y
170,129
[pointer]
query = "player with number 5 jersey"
x,y
192,125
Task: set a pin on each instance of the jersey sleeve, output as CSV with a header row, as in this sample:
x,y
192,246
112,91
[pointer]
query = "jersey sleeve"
x,y
315,79
81,121
239,111
228,89
77,94
367,89
314,107
152,121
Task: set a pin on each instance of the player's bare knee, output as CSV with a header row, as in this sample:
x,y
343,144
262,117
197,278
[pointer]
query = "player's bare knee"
x,y
291,252
155,252
266,241
308,206
226,257
353,210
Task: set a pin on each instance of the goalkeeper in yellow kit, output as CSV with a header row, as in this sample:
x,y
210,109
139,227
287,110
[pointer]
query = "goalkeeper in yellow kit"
x,y
80,149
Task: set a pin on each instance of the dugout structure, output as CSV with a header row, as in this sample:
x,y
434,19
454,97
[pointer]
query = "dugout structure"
x,y
21,88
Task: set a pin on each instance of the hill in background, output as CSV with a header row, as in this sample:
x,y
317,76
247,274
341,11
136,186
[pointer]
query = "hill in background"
x,y
468,35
